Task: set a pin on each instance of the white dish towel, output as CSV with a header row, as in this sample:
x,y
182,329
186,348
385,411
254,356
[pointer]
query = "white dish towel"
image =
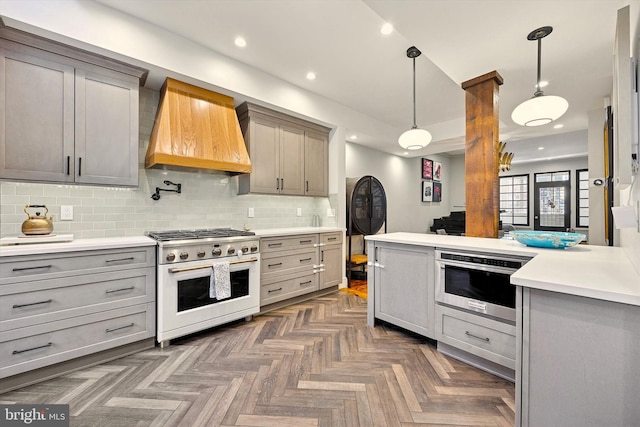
x,y
220,286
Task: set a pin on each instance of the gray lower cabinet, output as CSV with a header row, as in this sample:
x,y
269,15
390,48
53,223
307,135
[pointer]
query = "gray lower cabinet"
x,y
485,338
403,286
577,361
331,260
59,307
66,119
295,265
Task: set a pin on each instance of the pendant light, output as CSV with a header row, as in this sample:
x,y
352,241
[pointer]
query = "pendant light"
x,y
414,138
541,109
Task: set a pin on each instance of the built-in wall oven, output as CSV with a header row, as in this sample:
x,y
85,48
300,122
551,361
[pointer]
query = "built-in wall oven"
x,y
186,264
478,282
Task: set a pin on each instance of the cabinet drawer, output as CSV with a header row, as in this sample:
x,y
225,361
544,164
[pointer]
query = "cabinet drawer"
x,y
34,347
483,337
331,238
277,263
302,241
41,301
50,266
288,288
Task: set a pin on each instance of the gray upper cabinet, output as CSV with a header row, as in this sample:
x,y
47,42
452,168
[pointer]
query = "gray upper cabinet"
x,y
65,119
288,155
316,166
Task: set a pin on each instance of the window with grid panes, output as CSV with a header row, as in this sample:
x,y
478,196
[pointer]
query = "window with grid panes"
x,y
582,198
514,199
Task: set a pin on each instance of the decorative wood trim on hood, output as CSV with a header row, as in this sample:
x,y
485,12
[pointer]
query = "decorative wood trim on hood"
x,y
196,128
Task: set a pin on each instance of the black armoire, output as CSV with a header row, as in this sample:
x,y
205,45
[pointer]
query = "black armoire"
x,y
366,211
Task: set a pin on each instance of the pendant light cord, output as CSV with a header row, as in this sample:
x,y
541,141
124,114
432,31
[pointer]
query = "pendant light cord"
x,y
414,94
538,90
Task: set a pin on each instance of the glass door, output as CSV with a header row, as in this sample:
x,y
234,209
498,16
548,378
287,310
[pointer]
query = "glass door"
x,y
552,201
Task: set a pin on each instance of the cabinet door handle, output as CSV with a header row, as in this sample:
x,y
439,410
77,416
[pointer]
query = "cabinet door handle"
x,y
305,283
306,259
304,242
79,166
274,265
274,290
274,244
332,238
321,256
110,291
469,334
307,186
120,259
32,303
277,183
32,348
281,184
68,165
121,327
31,268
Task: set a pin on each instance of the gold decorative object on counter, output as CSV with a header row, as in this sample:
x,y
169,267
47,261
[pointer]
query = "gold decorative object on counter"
x,y
37,224
505,158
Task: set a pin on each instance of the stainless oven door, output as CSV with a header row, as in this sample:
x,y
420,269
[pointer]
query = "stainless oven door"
x,y
184,305
481,285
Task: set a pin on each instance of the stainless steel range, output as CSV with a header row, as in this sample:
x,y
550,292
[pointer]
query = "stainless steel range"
x,y
187,261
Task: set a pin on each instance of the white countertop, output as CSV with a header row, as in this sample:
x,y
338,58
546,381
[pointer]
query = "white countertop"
x,y
76,245
123,242
600,272
274,232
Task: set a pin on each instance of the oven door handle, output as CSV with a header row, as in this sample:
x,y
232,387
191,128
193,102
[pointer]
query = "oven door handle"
x,y
180,270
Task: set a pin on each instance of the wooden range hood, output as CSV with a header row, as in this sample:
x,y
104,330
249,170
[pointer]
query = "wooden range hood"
x,y
196,128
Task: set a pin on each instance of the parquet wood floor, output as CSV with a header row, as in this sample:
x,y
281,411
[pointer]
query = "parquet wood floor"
x,y
316,363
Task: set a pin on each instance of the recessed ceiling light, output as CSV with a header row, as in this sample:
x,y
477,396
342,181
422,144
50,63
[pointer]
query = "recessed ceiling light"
x,y
386,29
240,41
558,126
353,137
540,148
311,75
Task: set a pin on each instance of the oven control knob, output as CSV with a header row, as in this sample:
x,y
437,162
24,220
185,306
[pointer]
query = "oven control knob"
x,y
171,257
231,251
184,255
201,253
245,249
216,252
254,248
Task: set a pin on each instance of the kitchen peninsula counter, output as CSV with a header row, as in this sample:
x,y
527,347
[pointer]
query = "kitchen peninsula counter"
x,y
576,329
600,272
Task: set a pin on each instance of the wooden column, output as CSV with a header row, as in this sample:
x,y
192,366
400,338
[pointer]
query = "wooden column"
x,y
481,155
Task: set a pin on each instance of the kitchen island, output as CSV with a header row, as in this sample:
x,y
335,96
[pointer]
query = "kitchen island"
x,y
577,326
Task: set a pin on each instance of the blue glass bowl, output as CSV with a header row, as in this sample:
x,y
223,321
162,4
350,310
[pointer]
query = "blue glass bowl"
x,y
547,239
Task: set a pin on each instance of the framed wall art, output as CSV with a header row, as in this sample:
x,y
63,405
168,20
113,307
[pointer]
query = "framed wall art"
x,y
437,192
427,169
437,171
427,191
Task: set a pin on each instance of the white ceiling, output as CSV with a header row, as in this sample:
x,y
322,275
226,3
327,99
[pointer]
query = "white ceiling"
x,y
370,73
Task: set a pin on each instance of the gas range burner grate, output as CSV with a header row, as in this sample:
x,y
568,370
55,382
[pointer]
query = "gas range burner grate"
x,y
206,233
